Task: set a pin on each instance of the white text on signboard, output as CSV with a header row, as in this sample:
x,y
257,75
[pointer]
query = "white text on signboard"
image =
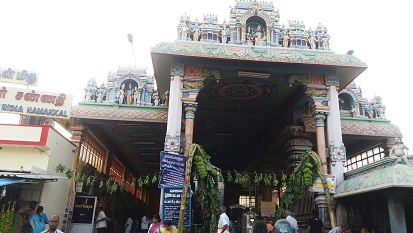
x,y
38,103
18,76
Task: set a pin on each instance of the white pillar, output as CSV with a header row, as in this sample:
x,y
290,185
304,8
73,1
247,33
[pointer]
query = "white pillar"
x,y
173,129
334,136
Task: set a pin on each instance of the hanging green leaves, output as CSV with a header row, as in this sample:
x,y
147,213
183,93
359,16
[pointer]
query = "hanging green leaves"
x,y
154,178
229,177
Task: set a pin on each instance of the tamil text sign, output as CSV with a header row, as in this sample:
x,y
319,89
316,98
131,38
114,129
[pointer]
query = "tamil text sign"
x,y
170,178
18,76
172,161
36,103
171,205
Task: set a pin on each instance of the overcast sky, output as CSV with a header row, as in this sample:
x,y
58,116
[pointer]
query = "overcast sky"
x,y
69,42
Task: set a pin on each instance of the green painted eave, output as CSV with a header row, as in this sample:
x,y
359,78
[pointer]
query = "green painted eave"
x,y
257,53
399,175
123,106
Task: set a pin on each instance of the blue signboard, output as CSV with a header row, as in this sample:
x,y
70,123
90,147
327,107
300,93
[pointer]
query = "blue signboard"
x,y
173,161
170,178
171,203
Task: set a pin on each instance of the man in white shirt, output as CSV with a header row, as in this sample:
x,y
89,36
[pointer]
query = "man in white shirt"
x,y
291,220
144,224
223,221
53,223
101,221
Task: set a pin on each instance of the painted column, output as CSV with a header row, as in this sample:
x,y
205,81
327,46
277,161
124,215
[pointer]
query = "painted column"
x,y
395,206
319,118
190,108
173,129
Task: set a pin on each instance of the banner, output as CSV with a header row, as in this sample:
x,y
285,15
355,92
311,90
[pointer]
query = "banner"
x,y
24,77
36,103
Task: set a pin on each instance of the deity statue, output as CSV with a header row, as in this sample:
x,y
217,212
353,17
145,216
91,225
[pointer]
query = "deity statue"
x,y
100,94
313,41
129,94
353,111
122,93
258,35
325,42
285,40
196,34
136,95
399,150
183,32
224,35
165,98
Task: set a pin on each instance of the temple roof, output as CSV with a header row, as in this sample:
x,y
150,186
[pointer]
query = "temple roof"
x,y
399,175
252,53
361,127
118,112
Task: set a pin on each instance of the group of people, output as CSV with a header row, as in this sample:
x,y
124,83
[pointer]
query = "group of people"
x,y
34,220
147,225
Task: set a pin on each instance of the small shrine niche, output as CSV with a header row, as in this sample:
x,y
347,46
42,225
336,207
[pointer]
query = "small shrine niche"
x,y
130,86
256,31
353,104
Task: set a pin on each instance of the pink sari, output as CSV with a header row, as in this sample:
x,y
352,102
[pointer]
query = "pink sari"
x,y
155,228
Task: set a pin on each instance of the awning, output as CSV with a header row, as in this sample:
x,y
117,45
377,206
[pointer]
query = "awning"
x,y
30,176
7,181
399,175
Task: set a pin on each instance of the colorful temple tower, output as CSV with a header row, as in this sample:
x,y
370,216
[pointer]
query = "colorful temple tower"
x,y
256,95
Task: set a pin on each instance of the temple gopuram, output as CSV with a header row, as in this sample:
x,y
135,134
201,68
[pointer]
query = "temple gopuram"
x,y
255,94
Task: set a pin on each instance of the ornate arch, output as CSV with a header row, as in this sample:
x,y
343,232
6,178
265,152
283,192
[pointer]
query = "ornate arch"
x,y
349,93
262,14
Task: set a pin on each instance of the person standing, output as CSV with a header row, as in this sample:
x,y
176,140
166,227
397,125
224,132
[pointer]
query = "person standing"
x,y
223,222
288,216
27,215
101,221
144,224
38,221
17,220
156,224
315,225
168,228
128,225
53,224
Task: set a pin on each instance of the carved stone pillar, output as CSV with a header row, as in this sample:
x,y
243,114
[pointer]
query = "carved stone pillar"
x,y
319,111
295,148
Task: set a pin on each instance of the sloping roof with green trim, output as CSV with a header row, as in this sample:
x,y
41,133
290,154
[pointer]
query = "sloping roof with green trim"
x,y
399,175
257,53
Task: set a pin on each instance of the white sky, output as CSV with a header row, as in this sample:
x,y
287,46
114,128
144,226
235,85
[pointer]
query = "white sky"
x,y
69,42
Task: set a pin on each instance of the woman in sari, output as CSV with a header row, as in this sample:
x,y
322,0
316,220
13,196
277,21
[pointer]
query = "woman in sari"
x,y
38,221
156,225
